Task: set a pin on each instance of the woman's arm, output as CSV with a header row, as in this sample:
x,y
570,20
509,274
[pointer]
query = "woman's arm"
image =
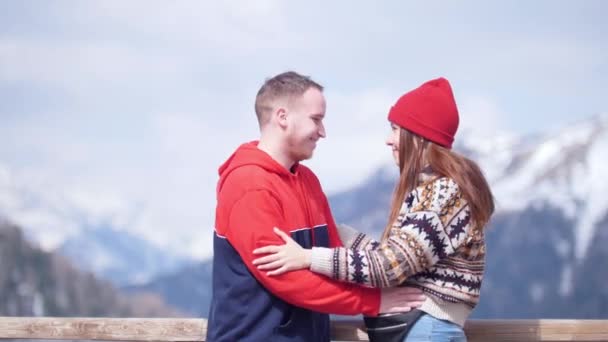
x,y
351,238
291,256
432,230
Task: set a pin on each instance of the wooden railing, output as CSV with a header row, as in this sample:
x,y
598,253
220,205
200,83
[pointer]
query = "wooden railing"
x,y
186,330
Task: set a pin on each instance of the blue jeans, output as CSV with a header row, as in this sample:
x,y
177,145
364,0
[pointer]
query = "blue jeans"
x,y
429,328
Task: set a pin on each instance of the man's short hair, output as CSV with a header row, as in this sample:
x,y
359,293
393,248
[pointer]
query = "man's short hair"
x,y
287,85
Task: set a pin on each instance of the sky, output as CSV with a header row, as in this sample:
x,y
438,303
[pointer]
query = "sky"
x,y
127,108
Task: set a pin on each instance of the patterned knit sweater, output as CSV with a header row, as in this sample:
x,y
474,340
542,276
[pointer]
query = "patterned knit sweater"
x,y
432,245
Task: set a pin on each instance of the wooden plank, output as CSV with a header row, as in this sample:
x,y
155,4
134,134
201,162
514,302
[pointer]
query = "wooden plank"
x,y
194,330
502,330
111,329
537,330
348,330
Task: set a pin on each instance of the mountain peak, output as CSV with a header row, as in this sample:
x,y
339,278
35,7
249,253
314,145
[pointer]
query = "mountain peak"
x,y
564,169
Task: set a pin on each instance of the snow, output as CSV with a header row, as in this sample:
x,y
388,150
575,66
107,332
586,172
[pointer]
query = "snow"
x,y
566,283
51,213
494,152
548,175
38,305
537,292
563,248
594,188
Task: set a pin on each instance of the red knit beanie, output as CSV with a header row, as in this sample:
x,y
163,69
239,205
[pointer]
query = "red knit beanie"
x,y
429,111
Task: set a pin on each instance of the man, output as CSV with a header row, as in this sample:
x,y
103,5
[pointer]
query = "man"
x,y
262,186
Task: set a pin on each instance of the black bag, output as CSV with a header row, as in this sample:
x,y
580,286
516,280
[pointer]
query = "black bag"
x,y
391,327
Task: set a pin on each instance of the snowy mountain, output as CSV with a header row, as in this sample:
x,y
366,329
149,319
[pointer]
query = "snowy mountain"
x,y
38,283
92,229
566,171
188,289
46,213
119,256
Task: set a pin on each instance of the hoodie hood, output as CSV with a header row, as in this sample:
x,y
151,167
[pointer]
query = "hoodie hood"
x,y
250,154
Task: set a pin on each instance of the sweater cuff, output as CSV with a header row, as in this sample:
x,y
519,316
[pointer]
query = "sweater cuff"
x,y
321,261
347,234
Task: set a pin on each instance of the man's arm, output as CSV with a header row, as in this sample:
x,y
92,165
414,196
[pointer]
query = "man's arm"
x,y
251,223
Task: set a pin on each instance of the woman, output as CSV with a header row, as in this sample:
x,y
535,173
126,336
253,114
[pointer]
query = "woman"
x,y
434,239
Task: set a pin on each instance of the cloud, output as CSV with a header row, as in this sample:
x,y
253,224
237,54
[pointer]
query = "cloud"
x,y
480,114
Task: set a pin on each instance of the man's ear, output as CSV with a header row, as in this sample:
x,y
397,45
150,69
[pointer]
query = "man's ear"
x,y
281,117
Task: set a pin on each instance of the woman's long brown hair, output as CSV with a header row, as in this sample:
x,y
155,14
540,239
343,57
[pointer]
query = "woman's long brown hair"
x,y
415,153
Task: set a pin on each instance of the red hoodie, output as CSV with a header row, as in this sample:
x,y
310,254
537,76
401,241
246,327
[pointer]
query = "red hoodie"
x,y
254,194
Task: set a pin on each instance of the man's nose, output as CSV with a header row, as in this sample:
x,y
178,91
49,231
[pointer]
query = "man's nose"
x,y
322,132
